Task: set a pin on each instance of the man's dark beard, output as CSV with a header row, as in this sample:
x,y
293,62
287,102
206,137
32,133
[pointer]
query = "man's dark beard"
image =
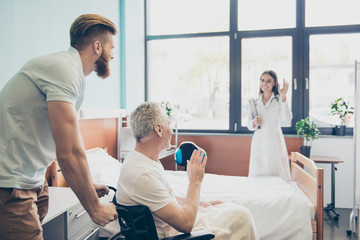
x,y
102,67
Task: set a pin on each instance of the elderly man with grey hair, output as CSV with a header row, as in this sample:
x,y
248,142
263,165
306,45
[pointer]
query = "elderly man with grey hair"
x,y
143,181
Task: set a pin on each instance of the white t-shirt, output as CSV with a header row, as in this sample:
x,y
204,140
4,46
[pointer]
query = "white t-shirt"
x,y
26,143
142,182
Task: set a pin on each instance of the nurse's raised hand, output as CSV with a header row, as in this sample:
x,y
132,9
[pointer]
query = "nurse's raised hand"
x,y
283,90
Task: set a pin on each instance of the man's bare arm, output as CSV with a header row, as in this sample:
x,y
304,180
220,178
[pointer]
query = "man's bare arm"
x,y
181,201
71,156
182,217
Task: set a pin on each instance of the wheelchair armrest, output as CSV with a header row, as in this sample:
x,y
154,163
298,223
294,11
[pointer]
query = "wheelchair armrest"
x,y
198,235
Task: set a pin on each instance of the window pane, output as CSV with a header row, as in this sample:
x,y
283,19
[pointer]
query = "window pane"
x,y
187,16
331,12
193,75
259,55
265,14
331,74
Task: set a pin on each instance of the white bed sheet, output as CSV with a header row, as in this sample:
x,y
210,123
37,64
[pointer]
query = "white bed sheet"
x,y
280,210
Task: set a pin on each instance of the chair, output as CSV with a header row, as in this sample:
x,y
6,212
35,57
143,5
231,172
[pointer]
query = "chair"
x,y
137,223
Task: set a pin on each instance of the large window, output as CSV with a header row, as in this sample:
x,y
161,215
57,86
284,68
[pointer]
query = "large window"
x,y
332,12
187,16
194,78
265,14
205,57
259,54
331,74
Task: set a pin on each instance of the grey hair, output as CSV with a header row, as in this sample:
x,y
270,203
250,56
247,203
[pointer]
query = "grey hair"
x,y
144,117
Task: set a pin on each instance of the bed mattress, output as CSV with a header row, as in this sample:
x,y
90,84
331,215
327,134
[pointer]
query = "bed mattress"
x,y
280,210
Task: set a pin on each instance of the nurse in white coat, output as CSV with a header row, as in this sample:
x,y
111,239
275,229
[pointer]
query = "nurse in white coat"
x,y
269,154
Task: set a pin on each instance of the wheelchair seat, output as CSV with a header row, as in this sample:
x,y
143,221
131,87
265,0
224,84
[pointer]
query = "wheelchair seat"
x,y
137,223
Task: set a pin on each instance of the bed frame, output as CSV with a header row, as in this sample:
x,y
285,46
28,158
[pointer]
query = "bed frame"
x,y
105,133
310,179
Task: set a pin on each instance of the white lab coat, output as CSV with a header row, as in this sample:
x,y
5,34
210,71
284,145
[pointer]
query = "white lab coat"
x,y
269,154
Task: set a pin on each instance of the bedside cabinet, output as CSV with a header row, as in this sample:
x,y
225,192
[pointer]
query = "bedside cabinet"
x,y
66,218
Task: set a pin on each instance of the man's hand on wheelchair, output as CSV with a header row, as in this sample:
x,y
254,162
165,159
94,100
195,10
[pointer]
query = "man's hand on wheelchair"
x,y
101,190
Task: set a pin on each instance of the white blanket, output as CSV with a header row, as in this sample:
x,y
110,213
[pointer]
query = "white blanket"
x,y
228,221
280,210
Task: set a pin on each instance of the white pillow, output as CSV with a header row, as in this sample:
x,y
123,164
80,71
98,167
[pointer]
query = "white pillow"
x,y
104,169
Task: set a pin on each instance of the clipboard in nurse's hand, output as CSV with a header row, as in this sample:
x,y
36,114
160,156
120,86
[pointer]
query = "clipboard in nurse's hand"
x,y
253,110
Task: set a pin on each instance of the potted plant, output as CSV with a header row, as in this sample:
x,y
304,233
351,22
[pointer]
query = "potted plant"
x,y
344,111
310,132
168,107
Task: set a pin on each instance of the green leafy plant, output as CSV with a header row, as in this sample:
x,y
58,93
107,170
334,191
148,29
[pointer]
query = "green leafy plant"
x,y
307,128
168,107
342,109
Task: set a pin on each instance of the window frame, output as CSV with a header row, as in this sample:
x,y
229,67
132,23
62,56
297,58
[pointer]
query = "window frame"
x,y
300,48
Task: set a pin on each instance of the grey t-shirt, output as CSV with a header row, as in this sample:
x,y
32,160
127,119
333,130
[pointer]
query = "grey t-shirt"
x,y
26,143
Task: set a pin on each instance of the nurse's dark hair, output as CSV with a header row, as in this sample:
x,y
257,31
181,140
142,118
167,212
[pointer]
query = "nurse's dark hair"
x,y
88,28
274,76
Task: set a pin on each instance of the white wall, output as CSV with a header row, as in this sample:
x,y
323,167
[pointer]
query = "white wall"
x,y
37,27
343,148
135,53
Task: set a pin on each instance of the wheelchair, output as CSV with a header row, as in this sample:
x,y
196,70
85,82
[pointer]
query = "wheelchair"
x,y
137,223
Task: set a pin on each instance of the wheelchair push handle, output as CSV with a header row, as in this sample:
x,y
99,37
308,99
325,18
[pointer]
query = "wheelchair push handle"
x,y
114,198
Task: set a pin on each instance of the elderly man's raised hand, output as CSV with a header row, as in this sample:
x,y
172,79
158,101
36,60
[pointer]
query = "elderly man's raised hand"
x,y
196,166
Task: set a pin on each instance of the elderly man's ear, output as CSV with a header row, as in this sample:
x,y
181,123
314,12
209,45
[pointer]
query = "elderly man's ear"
x,y
158,129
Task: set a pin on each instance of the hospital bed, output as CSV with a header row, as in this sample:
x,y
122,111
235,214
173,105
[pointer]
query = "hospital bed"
x,y
280,210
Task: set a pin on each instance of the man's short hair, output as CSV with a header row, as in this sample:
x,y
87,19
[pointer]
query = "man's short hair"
x,y
86,28
144,117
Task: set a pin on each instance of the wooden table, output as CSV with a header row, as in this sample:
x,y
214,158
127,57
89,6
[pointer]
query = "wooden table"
x,y
330,160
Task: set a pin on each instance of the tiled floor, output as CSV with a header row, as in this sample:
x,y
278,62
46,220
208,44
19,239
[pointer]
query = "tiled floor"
x,y
337,230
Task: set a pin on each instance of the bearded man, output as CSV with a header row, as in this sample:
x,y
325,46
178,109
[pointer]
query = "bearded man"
x,y
38,122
